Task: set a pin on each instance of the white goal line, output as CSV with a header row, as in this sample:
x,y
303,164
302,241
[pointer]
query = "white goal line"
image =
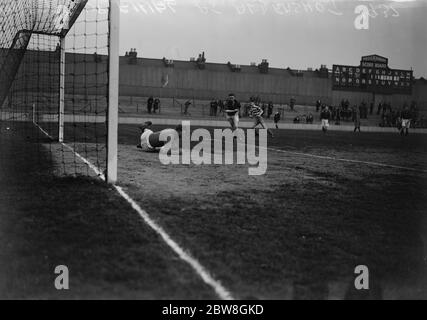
x,y
182,253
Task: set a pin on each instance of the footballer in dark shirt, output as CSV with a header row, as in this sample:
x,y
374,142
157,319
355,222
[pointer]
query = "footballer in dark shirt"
x,y
325,116
232,108
406,121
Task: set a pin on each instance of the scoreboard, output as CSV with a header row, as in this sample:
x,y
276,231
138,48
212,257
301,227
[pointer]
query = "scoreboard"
x,y
373,75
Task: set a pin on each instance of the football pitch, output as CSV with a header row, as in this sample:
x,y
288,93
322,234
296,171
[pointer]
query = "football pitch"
x,y
326,204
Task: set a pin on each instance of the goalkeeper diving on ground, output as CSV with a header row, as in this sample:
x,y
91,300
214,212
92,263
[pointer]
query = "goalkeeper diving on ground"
x,y
150,141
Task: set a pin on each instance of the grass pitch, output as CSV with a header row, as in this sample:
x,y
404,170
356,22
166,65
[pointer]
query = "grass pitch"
x,y
299,231
296,233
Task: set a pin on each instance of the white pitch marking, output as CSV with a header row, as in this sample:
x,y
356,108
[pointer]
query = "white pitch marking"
x,y
370,163
377,164
201,271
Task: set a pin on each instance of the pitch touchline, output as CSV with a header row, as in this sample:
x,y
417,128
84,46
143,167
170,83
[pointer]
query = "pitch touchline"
x,y
184,255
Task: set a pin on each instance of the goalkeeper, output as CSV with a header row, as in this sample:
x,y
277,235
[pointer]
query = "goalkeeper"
x,y
150,140
256,113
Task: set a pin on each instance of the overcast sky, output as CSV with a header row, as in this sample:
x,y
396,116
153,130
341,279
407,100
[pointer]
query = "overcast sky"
x,y
282,31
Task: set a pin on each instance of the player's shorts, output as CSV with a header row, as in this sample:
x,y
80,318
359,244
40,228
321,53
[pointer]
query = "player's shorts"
x,y
145,141
234,117
406,123
258,120
325,123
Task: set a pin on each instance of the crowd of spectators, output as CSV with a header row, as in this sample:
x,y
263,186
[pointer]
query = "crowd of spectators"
x,y
153,105
389,115
308,119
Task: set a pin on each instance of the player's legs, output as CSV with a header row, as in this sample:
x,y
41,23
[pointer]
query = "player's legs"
x,y
404,129
156,143
356,127
256,123
236,121
260,121
264,125
324,125
230,119
408,125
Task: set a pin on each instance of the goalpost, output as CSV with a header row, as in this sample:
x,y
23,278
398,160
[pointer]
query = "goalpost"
x,y
113,92
59,70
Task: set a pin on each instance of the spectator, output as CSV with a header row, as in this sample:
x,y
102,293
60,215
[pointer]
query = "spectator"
x,y
187,105
318,105
333,113
310,119
347,104
270,109
156,105
379,109
214,107
414,111
363,111
150,103
338,116
292,103
221,106
356,119
264,107
247,109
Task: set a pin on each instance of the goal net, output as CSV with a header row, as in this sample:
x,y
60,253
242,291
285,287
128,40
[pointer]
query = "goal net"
x,y
54,78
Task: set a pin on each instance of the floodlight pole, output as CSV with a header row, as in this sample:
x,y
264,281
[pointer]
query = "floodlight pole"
x,y
61,110
113,91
